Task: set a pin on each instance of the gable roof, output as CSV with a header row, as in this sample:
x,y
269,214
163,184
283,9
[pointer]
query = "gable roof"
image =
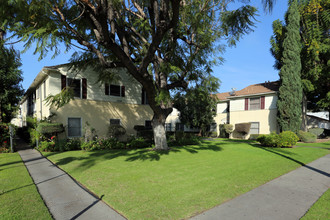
x,y
261,88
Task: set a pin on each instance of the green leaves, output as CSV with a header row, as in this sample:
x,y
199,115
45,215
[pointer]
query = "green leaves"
x,y
60,99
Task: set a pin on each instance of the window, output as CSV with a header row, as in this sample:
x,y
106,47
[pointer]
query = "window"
x,y
75,85
255,103
74,127
148,124
114,121
144,98
115,90
168,127
254,128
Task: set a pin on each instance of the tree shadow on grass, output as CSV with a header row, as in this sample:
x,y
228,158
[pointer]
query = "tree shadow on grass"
x,y
131,155
278,151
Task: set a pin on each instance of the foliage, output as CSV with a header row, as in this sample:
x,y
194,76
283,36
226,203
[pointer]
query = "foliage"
x,y
229,128
10,83
243,128
4,135
197,106
284,139
143,132
213,134
138,143
290,92
115,131
315,52
287,139
307,137
102,144
60,99
71,144
164,46
46,128
183,138
31,124
47,146
317,131
268,140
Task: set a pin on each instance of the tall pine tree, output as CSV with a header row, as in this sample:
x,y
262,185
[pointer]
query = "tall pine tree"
x,y
289,103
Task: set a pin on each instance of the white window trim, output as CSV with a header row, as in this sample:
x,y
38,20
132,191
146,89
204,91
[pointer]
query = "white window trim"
x,y
80,127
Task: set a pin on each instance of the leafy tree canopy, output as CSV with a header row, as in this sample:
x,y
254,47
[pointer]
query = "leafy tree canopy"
x,y
163,44
315,53
10,83
197,106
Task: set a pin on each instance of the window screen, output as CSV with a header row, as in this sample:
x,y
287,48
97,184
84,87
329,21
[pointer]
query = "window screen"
x,y
74,127
254,128
254,103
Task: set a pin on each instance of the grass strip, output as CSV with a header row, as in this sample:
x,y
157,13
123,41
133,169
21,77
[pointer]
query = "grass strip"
x,y
19,198
320,210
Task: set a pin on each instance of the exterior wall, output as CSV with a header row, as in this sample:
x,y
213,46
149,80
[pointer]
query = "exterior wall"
x,y
99,113
238,104
266,118
96,90
173,118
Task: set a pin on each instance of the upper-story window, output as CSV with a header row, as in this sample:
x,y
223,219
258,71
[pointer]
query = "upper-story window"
x,y
79,86
255,103
75,85
115,90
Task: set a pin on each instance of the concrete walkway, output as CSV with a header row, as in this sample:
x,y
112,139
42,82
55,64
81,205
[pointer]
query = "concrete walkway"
x,y
64,197
286,197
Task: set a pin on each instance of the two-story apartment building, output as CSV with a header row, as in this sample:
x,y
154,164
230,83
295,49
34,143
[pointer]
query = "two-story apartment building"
x,y
255,104
97,104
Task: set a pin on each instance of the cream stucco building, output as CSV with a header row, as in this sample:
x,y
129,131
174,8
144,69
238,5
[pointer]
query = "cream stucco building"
x,y
97,104
255,104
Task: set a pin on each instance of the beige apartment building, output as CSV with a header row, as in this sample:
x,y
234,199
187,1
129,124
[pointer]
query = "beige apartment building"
x,y
255,104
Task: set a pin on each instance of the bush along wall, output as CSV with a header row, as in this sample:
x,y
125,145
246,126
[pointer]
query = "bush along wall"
x,y
284,139
4,138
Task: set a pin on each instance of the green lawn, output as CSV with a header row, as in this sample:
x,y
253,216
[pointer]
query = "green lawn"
x,y
142,184
320,210
323,144
19,198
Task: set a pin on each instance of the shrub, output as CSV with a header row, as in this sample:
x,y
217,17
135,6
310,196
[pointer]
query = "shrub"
x,y
4,135
287,139
254,136
307,137
284,139
243,128
229,128
90,145
115,131
46,128
146,134
179,135
269,140
317,131
213,134
48,146
139,143
71,144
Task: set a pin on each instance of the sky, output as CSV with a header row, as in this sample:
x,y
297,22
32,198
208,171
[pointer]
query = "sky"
x,y
250,62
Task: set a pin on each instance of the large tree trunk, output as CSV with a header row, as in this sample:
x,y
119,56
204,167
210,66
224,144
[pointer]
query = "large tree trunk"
x,y
158,126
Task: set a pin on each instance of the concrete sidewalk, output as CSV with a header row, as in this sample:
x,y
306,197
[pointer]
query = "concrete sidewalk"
x,y
64,197
286,197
